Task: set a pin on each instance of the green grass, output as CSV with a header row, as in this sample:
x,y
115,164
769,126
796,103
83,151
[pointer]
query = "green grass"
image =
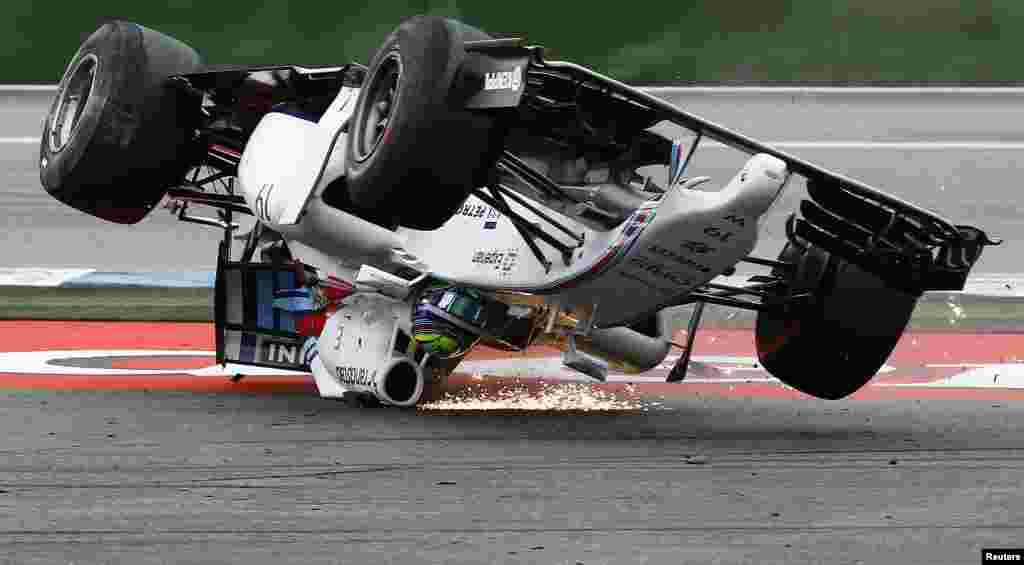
x,y
726,41
933,313
123,304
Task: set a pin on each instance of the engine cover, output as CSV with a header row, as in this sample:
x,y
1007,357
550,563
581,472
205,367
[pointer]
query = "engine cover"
x,y
363,348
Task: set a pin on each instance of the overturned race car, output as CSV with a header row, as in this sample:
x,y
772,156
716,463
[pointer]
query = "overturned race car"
x,y
461,190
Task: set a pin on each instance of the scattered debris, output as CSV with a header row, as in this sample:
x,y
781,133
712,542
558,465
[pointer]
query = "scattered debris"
x,y
956,309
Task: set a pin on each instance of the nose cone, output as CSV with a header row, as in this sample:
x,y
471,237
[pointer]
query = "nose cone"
x,y
758,184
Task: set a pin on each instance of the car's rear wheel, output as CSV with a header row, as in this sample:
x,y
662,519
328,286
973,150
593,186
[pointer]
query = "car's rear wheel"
x,y
414,152
833,344
116,136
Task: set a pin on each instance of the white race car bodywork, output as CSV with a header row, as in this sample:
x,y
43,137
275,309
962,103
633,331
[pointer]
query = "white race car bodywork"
x,y
528,180
670,245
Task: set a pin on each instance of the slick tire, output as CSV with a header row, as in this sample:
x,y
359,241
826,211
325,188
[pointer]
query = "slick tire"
x,y
832,345
414,153
116,137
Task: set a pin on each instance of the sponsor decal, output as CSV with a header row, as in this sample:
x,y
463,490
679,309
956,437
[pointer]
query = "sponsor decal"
x,y
487,213
648,284
641,264
280,352
718,233
355,376
488,257
504,80
503,261
735,220
698,247
678,258
627,239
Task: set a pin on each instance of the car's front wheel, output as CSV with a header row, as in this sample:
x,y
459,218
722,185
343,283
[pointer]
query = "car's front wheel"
x,y
833,344
414,152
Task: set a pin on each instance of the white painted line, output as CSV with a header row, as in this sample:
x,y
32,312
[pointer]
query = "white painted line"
x,y
890,145
28,87
795,145
1001,375
860,90
39,277
40,363
902,145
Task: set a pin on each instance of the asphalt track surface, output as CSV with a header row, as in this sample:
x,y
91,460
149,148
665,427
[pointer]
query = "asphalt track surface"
x,y
107,459
953,152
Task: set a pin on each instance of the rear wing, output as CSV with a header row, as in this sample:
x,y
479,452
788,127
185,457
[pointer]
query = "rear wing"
x,y
249,329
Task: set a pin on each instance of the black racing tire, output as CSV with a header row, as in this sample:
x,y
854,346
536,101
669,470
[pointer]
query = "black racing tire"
x,y
114,154
834,344
419,167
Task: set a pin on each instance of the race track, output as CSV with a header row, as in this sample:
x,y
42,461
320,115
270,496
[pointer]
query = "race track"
x,y
122,444
156,458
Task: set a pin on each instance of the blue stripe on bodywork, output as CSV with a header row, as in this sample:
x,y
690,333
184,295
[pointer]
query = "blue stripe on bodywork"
x,y
286,280
264,299
247,351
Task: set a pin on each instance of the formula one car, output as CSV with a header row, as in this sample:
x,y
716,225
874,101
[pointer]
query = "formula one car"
x,y
462,189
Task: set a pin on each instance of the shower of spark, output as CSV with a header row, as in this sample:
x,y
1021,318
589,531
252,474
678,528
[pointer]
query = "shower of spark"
x,y
541,397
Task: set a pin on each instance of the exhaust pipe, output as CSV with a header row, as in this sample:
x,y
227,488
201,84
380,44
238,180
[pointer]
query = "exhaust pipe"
x,y
637,351
400,383
629,349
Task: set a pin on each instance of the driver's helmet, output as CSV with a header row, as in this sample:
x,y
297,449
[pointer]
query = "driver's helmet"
x,y
439,336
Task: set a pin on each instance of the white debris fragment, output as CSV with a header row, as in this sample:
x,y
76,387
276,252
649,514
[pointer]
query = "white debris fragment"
x,y
957,311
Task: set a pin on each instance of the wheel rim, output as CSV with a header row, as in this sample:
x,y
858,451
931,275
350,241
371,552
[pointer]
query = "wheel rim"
x,y
380,104
71,102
